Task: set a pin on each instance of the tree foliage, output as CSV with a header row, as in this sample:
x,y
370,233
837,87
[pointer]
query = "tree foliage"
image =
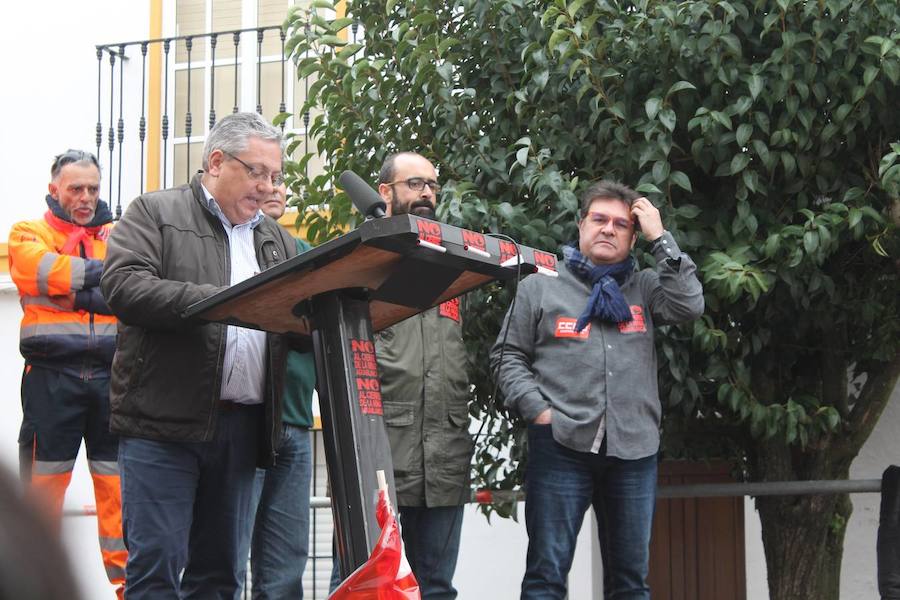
x,y
767,133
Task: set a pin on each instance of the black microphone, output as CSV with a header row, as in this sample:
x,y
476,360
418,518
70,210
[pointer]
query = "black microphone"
x,y
364,198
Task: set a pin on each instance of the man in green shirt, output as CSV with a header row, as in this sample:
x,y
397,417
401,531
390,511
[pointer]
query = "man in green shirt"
x,y
279,545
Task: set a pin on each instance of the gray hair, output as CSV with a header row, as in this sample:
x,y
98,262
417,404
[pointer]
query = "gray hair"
x,y
606,189
232,133
71,157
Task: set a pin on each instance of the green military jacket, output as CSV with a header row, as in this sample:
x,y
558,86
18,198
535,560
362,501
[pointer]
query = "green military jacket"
x,y
424,389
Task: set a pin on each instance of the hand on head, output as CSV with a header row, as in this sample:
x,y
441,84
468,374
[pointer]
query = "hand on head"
x,y
648,217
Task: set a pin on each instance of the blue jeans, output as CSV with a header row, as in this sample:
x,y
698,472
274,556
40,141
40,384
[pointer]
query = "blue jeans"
x,y
431,540
186,505
280,541
561,484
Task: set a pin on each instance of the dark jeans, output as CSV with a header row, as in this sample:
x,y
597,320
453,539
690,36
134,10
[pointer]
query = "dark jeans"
x,y
186,505
561,484
280,543
431,537
431,540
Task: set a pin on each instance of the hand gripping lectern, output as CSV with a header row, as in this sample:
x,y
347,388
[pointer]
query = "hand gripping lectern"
x,y
338,294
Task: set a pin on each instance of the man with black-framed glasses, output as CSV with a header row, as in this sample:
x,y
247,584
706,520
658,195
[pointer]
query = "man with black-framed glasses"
x,y
424,388
68,337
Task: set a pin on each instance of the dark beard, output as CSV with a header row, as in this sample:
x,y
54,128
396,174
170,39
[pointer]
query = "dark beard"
x,y
423,209
419,208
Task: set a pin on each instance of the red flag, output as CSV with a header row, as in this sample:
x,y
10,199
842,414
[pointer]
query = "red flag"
x,y
387,574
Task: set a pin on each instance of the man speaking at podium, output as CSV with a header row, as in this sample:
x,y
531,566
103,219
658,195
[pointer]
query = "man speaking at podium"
x,y
424,389
197,405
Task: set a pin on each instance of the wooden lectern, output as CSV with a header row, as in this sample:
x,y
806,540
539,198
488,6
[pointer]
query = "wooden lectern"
x,y
339,294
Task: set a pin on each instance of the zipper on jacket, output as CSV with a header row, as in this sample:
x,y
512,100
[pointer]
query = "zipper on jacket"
x,y
272,446
85,366
91,339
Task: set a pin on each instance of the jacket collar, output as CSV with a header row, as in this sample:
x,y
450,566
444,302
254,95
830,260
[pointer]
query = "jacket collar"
x,y
102,215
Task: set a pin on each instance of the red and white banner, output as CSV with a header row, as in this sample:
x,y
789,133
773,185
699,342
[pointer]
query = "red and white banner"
x,y
387,574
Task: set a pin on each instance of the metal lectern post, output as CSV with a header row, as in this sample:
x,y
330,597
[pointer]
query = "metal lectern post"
x,y
356,444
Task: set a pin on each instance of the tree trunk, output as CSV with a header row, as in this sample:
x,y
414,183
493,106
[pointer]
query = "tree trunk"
x,y
803,536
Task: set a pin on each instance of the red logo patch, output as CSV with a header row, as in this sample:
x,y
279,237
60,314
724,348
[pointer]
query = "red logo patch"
x,y
365,373
450,309
429,231
565,328
637,323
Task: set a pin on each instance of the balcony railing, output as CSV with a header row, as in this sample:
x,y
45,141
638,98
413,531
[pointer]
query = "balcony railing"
x,y
158,98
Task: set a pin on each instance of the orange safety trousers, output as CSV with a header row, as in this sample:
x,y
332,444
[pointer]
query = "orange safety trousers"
x,y
58,412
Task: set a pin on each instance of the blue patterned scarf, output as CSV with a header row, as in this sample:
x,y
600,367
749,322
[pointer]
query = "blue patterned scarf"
x,y
606,301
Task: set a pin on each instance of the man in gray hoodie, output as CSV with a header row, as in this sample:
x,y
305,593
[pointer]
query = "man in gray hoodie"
x,y
579,365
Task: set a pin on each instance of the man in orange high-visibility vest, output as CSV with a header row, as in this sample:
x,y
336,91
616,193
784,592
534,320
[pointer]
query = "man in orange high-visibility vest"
x,y
68,337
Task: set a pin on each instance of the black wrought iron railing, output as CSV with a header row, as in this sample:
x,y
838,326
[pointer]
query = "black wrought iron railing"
x,y
166,110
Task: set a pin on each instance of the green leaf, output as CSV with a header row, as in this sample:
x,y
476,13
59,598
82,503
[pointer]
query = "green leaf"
x,y
339,24
680,85
789,163
661,171
842,112
667,118
349,50
772,244
652,106
742,135
522,156
739,162
423,19
446,44
332,40
688,211
755,84
556,38
891,68
681,179
870,74
574,7
810,241
648,188
722,118
853,194
749,179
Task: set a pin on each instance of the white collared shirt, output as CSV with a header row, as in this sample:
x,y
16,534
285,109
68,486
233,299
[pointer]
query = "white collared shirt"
x,y
243,374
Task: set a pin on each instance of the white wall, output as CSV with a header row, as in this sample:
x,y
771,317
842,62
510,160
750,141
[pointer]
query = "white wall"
x,y
859,568
49,100
49,92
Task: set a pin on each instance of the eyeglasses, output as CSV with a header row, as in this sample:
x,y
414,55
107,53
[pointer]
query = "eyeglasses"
x,y
71,156
601,220
260,175
417,184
